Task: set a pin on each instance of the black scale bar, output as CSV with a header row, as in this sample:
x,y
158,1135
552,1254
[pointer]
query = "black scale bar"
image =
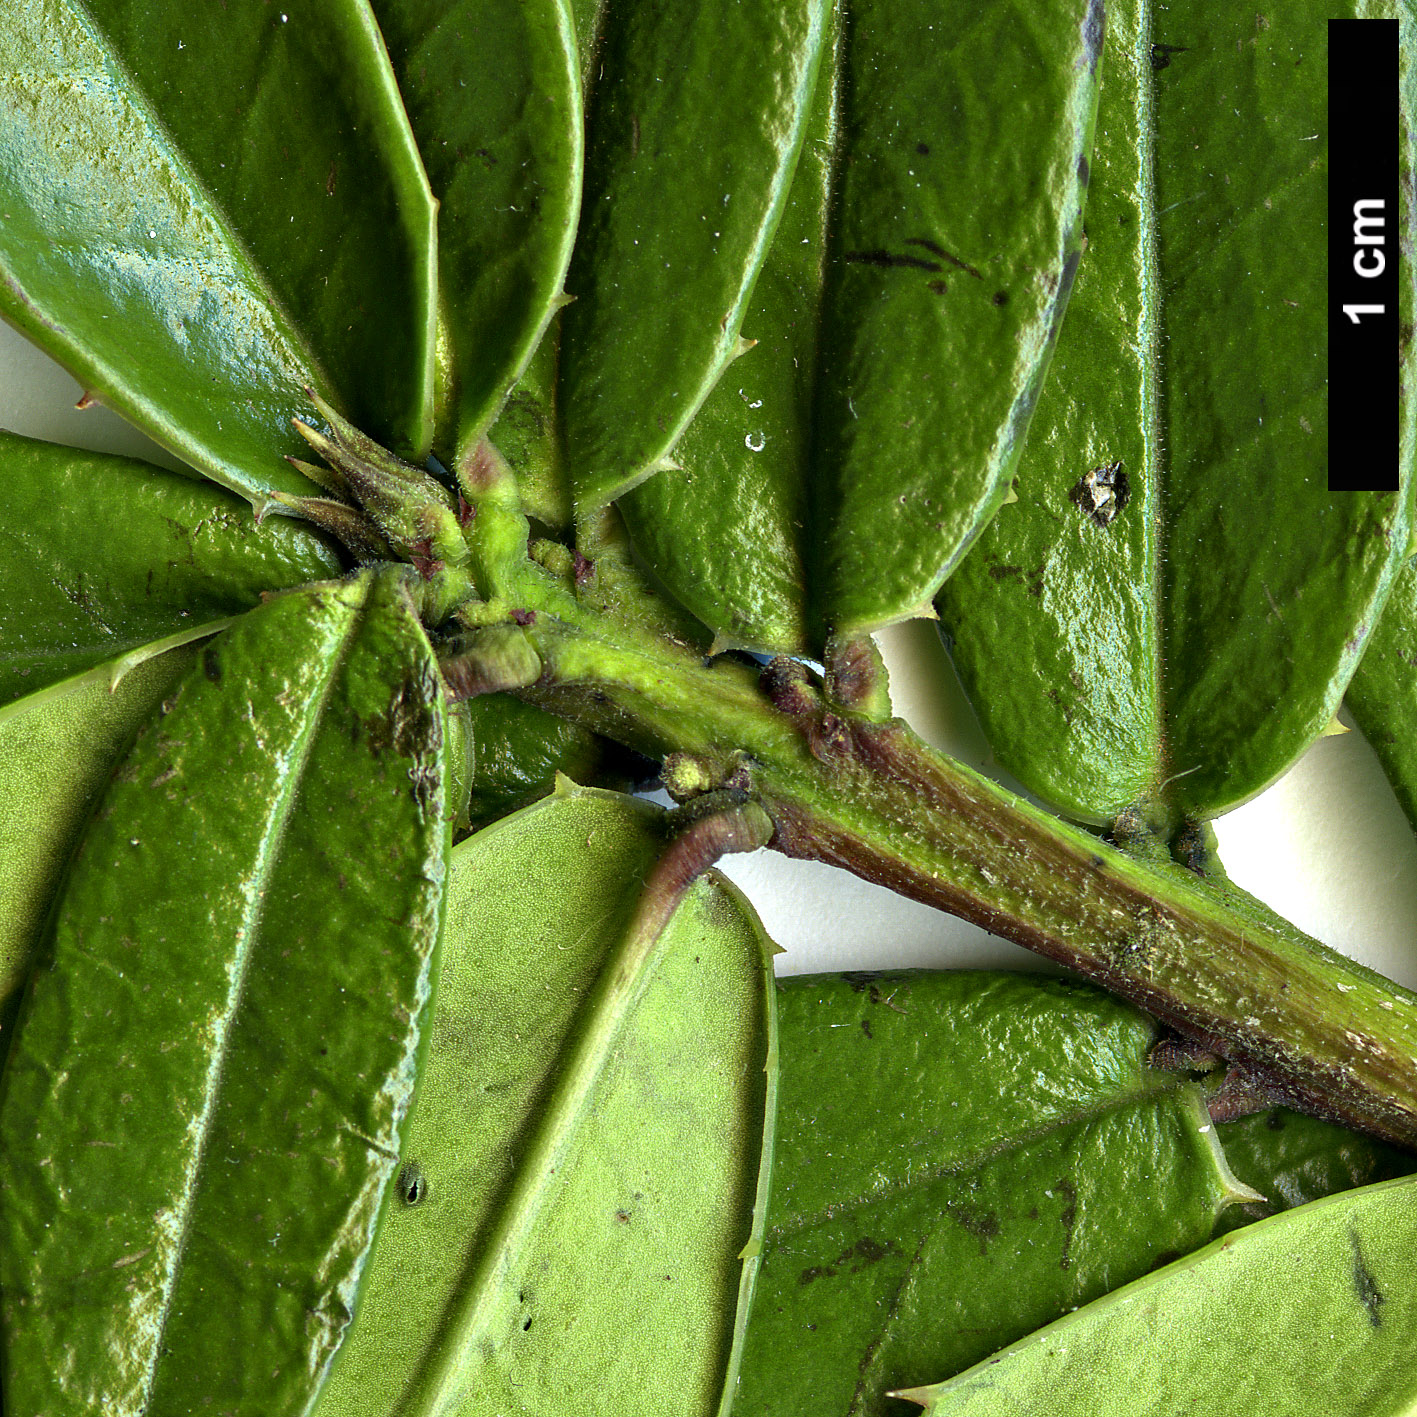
x,y
1363,219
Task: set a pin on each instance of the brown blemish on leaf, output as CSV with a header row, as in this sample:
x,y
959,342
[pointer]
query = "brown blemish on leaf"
x,y
864,1253
1161,55
211,664
1365,1286
886,260
983,1225
935,249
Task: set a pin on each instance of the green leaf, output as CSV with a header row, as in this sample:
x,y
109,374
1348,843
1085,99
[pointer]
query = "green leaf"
x,y
1181,636
960,1158
57,749
1310,1311
1383,694
216,1053
513,753
604,1257
493,93
905,318
202,217
104,554
695,126
1291,1160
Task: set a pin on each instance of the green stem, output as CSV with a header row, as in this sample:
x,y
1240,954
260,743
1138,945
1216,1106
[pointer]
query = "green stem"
x,y
1315,1028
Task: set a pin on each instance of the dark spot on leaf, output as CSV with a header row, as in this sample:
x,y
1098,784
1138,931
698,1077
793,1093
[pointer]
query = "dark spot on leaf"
x,y
1084,169
1001,297
864,1253
1276,1121
983,1225
1032,581
622,1217
1161,55
1369,1295
1092,33
584,569
866,1027
524,617
935,249
526,1327
885,259
1102,494
1068,1217
863,979
413,1187
923,149
938,287
211,665
331,179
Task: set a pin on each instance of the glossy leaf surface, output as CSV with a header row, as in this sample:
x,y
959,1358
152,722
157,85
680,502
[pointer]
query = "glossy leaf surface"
x,y
1291,1159
905,318
514,752
217,1050
623,1284
493,93
1383,694
960,1158
1171,610
692,137
103,554
57,750
1329,1284
200,218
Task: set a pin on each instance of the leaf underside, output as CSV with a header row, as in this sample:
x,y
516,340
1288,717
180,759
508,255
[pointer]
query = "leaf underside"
x,y
624,1284
1233,1328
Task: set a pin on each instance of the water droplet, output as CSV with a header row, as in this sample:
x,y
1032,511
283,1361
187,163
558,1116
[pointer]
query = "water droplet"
x,y
759,445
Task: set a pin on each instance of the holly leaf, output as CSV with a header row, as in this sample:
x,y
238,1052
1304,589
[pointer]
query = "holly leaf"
x,y
906,316
504,161
1171,611
1204,1332
580,1193
1383,694
201,219
57,750
223,908
961,1157
106,554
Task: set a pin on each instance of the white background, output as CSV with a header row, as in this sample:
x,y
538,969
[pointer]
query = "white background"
x,y
1325,846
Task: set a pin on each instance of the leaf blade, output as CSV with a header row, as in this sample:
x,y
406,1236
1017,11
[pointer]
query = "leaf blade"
x,y
240,1235
1195,598
585,1294
838,475
682,199
105,554
960,1156
139,257
1337,1266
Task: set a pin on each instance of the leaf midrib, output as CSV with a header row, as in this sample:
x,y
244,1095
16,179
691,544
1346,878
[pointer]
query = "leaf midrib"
x,y
1143,1090
267,855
